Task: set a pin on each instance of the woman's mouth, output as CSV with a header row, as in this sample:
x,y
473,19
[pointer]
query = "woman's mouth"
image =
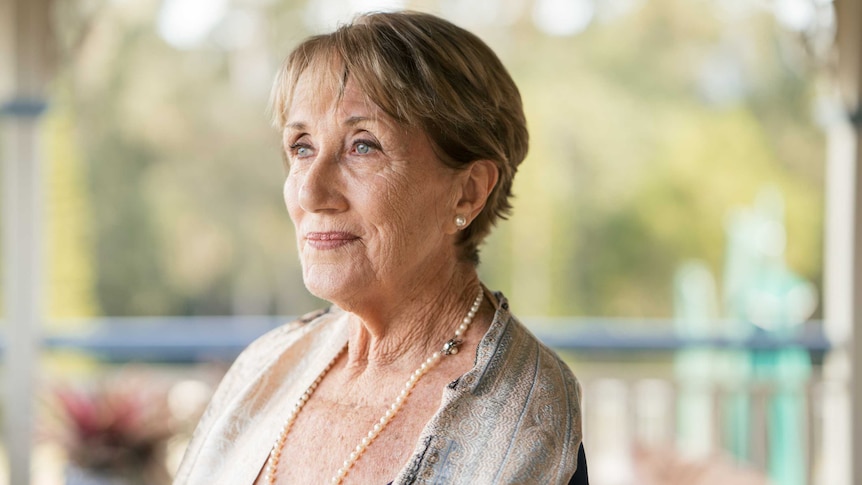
x,y
329,240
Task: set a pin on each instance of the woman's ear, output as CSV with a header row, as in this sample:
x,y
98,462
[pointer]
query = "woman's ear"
x,y
476,184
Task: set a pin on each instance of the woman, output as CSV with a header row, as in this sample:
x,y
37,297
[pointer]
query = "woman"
x,y
401,134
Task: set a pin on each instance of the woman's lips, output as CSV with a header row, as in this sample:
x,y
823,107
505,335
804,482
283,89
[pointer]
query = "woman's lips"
x,y
329,240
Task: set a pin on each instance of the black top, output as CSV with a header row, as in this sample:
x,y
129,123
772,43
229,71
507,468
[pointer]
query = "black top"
x,y
580,477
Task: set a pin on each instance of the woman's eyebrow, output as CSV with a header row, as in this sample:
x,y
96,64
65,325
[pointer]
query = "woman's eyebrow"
x,y
355,120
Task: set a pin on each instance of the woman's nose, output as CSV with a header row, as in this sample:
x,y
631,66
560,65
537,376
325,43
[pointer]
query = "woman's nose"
x,y
320,189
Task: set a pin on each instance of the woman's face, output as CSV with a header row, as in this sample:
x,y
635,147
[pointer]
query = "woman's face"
x,y
372,204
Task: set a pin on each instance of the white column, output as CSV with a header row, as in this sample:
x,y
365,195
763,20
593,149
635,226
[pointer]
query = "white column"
x,y
842,285
839,285
26,38
21,290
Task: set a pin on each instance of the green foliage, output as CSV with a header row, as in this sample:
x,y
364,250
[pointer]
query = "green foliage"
x,y
637,157
632,170
70,255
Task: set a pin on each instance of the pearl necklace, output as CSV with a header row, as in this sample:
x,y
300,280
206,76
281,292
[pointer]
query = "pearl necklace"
x,y
449,348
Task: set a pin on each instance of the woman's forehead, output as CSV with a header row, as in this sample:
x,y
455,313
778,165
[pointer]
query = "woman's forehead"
x,y
316,94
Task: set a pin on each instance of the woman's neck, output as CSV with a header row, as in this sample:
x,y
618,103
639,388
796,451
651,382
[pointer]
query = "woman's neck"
x,y
410,324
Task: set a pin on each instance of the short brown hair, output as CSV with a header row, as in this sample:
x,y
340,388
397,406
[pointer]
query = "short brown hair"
x,y
425,71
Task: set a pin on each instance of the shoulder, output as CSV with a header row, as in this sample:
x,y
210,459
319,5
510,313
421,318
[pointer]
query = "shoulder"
x,y
273,342
549,364
515,417
245,384
512,352
286,342
552,382
544,399
547,410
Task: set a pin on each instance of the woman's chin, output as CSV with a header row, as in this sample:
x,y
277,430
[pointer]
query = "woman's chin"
x,y
333,287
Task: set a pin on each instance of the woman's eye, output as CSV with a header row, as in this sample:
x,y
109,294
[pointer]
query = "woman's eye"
x,y
365,146
300,151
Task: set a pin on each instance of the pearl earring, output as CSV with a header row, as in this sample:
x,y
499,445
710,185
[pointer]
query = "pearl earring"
x,y
460,221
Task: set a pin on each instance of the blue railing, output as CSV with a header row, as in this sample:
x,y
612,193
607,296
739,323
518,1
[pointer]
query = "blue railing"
x,y
195,339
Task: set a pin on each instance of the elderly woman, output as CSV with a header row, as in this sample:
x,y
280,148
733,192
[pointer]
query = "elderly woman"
x,y
401,133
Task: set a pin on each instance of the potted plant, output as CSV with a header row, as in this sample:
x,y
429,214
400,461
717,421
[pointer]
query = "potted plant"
x,y
114,433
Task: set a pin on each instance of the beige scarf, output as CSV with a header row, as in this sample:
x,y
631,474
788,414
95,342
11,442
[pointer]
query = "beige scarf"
x,y
513,418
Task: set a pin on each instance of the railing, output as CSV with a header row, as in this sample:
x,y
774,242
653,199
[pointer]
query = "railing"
x,y
645,387
192,339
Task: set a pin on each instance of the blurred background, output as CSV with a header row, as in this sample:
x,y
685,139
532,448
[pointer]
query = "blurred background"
x,y
683,229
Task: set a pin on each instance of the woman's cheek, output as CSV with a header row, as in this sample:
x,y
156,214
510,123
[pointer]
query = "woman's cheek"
x,y
291,192
290,189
